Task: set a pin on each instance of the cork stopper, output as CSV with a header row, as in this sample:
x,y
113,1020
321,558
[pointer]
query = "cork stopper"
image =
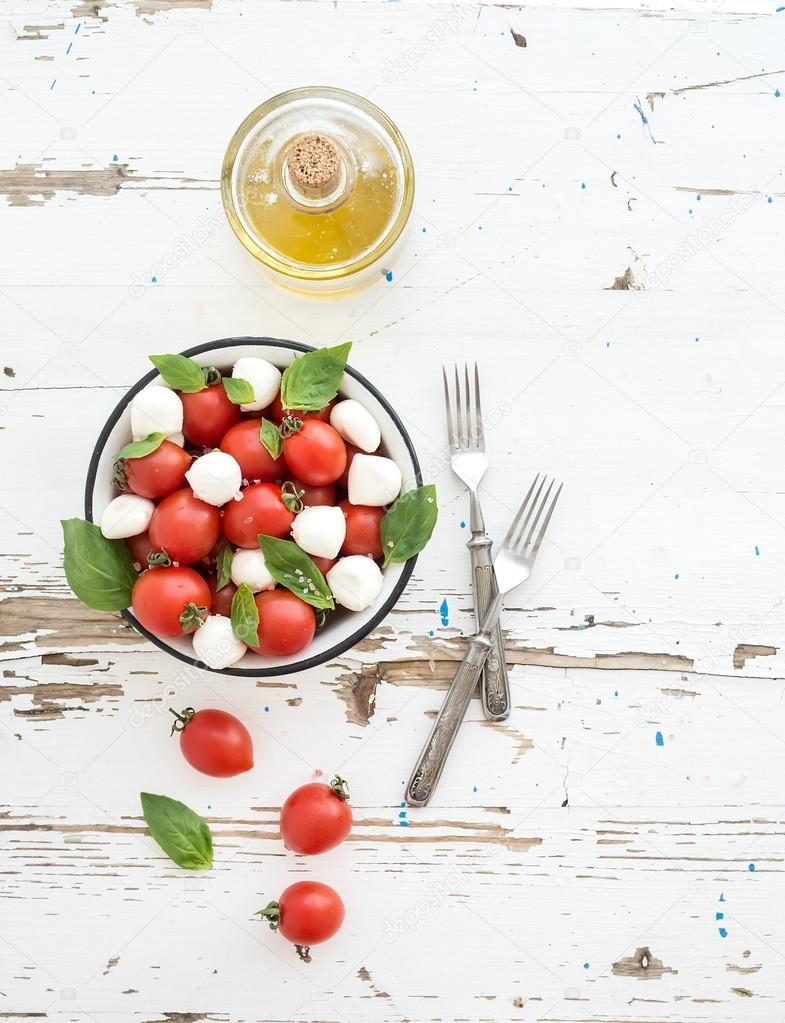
x,y
314,165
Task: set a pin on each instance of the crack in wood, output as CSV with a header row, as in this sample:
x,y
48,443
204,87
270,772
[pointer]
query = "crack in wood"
x,y
641,964
59,622
746,651
27,184
651,96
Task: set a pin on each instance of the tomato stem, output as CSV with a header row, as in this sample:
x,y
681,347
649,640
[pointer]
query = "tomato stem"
x,y
340,787
292,497
182,719
290,425
158,558
211,376
193,616
118,476
304,952
271,913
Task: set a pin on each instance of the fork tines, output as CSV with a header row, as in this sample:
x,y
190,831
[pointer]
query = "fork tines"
x,y
521,535
464,418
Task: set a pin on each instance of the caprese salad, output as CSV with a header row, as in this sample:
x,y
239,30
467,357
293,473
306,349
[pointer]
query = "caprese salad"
x,y
249,506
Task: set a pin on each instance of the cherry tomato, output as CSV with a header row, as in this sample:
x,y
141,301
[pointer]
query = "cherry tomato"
x,y
207,415
159,473
260,510
363,529
222,599
277,412
316,454
140,547
256,463
323,564
316,817
185,527
306,914
214,742
170,601
313,496
343,479
286,623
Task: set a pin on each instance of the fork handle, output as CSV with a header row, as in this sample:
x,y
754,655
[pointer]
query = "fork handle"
x,y
495,683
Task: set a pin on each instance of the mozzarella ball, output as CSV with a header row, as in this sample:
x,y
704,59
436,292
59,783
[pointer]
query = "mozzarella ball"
x,y
248,567
177,438
373,480
320,530
215,478
356,424
355,582
263,377
126,516
215,644
156,410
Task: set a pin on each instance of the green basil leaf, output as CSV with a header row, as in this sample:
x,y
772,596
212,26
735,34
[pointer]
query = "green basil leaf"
x,y
140,448
245,615
99,571
182,834
238,391
289,565
270,436
312,381
179,372
408,525
224,566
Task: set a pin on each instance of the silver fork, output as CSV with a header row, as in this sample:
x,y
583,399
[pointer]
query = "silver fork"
x,y
469,461
513,565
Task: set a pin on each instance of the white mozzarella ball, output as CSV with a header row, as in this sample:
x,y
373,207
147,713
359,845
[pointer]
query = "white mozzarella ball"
x,y
373,480
320,530
215,478
156,410
215,644
355,582
263,377
177,438
126,516
248,567
356,424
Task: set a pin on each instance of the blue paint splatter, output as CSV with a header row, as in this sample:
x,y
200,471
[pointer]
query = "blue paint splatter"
x,y
68,50
644,120
697,198
115,158
402,821
54,82
659,739
76,30
583,184
757,551
267,710
723,932
676,576
615,692
751,868
722,896
779,9
404,824
719,916
388,275
474,788
431,632
697,339
585,966
777,93
769,199
402,814
425,230
154,280
463,524
444,611
618,136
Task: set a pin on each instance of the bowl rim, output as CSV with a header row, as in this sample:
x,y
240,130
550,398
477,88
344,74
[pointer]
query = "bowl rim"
x,y
338,648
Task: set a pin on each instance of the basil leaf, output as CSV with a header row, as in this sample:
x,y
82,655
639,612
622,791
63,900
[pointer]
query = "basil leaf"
x,y
181,833
270,437
99,571
245,615
407,526
180,373
312,381
289,565
140,448
224,566
238,391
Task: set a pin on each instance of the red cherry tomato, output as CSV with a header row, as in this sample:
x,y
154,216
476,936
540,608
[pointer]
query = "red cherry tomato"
x,y
207,415
313,496
214,742
170,601
363,529
343,479
260,510
277,412
140,547
306,914
316,817
286,623
185,527
222,599
323,564
256,463
316,454
159,473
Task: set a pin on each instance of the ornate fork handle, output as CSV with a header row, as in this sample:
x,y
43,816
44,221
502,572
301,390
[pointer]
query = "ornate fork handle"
x,y
495,684
431,762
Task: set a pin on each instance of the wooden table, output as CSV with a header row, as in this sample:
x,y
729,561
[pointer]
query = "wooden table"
x,y
598,221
